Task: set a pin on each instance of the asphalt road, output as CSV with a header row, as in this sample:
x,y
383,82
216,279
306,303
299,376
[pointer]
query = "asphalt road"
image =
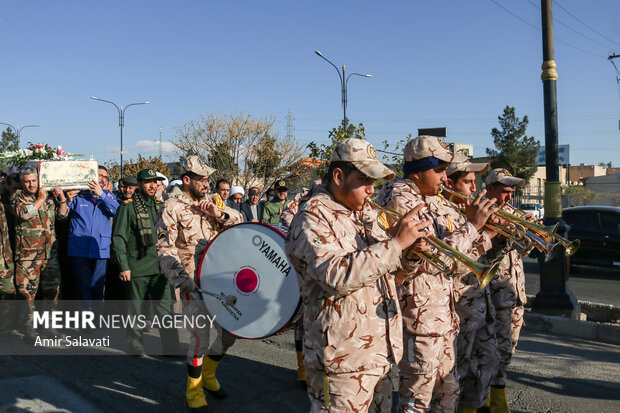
x,y
549,374
587,283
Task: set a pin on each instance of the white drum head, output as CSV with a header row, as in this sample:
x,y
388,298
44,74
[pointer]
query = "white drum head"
x,y
248,261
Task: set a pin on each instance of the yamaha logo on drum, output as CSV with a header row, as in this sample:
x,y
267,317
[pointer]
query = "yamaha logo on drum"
x,y
281,263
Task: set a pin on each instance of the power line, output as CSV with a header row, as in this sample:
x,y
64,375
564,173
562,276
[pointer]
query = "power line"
x,y
574,30
575,17
537,28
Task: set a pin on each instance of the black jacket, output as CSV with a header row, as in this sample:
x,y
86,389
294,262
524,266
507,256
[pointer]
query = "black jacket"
x,y
247,212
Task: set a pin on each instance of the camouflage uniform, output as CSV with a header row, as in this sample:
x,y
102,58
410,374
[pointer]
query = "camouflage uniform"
x,y
183,233
36,256
427,302
352,323
7,283
476,357
286,217
508,296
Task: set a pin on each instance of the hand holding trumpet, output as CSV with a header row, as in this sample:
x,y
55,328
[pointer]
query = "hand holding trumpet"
x,y
408,231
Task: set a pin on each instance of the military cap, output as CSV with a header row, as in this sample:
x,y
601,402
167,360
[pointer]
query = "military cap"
x,y
280,185
502,176
193,164
425,146
364,156
145,174
467,167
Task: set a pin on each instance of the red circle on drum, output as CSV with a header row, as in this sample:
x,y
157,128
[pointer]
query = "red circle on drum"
x,y
246,280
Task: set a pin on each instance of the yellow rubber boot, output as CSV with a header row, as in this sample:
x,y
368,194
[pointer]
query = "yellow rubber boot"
x,y
195,395
487,402
209,381
499,400
301,369
465,409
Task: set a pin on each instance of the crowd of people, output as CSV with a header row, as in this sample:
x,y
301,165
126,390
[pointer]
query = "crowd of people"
x,y
370,301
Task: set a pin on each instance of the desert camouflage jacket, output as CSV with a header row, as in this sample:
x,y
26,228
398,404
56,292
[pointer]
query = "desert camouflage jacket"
x,y
183,233
35,228
427,298
508,286
343,260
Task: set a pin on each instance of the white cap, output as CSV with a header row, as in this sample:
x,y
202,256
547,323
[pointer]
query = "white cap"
x,y
163,181
236,190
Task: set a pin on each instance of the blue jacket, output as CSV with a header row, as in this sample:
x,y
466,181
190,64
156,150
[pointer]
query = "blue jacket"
x,y
90,227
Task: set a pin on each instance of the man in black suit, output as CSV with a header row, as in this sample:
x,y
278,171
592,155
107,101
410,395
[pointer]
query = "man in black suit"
x,y
250,208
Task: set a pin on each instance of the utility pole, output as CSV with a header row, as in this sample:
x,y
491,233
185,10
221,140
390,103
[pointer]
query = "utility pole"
x,y
554,296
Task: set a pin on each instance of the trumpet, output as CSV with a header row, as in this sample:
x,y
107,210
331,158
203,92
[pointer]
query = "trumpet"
x,y
540,235
484,273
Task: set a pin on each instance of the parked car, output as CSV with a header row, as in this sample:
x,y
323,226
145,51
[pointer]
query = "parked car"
x,y
534,208
598,228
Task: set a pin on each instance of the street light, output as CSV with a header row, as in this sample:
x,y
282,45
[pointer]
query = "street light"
x,y
19,130
121,121
343,86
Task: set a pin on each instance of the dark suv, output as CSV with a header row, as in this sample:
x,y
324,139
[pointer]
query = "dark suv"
x,y
598,228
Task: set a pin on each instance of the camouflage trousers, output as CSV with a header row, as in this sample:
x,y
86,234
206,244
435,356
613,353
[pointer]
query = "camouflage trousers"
x,y
476,361
508,323
204,341
362,391
427,376
30,275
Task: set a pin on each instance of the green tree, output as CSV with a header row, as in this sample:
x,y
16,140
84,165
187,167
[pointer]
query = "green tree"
x,y
514,151
10,142
324,152
579,195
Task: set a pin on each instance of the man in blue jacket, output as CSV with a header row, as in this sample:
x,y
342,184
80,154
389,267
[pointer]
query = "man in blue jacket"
x,y
90,231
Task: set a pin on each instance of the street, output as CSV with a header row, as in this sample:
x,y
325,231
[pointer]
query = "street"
x,y
587,284
548,374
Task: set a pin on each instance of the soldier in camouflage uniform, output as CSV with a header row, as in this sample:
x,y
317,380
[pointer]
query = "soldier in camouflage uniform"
x,y
273,208
507,289
185,227
427,297
36,254
7,279
344,261
476,357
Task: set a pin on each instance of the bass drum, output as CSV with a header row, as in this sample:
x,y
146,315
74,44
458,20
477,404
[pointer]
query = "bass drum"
x,y
248,261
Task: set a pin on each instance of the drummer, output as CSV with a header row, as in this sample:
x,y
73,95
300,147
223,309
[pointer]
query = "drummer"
x,y
345,264
185,227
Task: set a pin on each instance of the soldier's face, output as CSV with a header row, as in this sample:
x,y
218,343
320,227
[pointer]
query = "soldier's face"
x,y
30,183
466,183
500,192
429,182
352,190
282,194
197,186
148,187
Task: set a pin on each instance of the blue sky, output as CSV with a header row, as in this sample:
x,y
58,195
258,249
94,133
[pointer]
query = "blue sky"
x,y
440,63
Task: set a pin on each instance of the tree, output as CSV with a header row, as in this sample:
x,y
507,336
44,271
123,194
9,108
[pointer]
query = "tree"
x,y
246,151
10,142
324,152
514,151
579,195
131,167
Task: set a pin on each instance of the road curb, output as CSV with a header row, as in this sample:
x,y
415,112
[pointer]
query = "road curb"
x,y
563,326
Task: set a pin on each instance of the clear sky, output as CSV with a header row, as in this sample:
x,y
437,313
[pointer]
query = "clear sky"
x,y
434,63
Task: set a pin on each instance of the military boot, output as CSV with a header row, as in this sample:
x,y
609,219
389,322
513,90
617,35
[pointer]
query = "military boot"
x,y
499,400
465,409
6,319
209,381
301,369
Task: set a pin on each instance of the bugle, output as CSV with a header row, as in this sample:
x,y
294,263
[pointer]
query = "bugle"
x,y
484,273
540,236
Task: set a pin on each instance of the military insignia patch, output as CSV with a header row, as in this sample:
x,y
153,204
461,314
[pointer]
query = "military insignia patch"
x,y
372,152
505,172
282,183
442,143
161,235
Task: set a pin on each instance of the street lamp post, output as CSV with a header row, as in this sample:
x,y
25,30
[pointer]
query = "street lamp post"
x,y
18,131
121,122
344,80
